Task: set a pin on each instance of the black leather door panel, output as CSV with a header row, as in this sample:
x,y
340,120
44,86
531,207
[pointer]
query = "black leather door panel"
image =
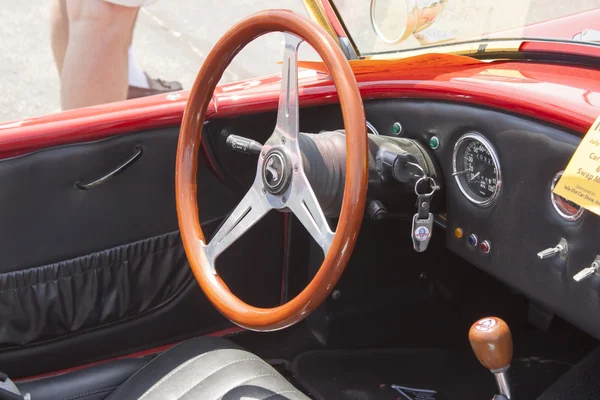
x,y
87,275
44,218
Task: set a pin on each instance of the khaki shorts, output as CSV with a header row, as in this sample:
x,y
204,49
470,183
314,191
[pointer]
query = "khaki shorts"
x,y
131,3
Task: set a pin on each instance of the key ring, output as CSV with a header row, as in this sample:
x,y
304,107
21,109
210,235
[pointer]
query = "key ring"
x,y
432,185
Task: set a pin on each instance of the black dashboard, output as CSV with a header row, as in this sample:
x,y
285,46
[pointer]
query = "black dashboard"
x,y
522,219
498,211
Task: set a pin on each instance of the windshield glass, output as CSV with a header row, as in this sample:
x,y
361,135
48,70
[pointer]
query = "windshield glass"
x,y
378,26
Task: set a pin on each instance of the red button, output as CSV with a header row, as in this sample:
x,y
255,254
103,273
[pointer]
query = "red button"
x,y
485,246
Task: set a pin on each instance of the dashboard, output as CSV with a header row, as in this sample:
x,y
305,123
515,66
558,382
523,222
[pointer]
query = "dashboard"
x,y
501,215
497,207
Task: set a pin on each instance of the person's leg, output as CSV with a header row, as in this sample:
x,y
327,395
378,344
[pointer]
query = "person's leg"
x,y
59,35
95,64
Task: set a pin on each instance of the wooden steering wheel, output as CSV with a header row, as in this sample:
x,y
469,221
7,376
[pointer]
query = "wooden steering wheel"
x,y
280,181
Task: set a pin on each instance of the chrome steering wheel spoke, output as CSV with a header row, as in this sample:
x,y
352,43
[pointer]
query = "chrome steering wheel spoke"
x,y
305,206
287,126
248,212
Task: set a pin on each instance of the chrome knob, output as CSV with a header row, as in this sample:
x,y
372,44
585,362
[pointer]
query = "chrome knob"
x,y
561,248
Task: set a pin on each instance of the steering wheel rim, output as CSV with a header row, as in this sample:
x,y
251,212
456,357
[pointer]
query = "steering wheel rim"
x,y
338,252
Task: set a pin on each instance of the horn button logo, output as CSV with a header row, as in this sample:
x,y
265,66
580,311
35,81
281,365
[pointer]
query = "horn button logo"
x,y
276,172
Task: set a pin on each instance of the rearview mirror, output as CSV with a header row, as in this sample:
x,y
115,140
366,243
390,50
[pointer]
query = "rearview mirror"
x,y
395,20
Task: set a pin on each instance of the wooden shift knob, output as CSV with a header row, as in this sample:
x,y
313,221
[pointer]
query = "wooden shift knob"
x,y
492,343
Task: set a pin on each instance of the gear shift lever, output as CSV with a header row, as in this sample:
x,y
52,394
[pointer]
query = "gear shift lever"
x,y
492,343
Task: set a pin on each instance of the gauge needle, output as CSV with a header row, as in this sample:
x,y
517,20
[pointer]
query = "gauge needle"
x,y
461,172
474,176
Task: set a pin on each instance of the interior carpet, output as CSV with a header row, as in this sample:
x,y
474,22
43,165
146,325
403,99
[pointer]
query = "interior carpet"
x,y
581,382
415,374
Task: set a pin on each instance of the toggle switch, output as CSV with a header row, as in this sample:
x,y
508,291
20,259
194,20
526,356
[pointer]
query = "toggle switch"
x,y
561,248
589,271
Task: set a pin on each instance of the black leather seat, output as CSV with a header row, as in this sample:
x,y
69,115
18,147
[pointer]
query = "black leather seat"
x,y
203,368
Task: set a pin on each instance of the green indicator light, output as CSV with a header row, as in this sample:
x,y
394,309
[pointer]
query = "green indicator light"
x,y
397,128
434,142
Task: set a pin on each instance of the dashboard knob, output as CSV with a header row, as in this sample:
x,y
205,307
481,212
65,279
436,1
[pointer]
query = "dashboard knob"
x,y
589,271
561,248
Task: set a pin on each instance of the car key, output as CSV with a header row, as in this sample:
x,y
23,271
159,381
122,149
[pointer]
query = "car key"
x,y
422,223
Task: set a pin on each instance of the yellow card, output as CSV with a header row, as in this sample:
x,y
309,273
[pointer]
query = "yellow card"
x,y
580,182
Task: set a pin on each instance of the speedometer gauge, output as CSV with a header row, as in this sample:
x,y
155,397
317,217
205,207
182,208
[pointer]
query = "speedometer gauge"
x,y
476,169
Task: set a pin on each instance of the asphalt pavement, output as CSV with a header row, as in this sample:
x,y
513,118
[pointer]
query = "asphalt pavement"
x,y
172,38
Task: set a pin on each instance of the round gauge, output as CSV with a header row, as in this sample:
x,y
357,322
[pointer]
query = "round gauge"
x,y
565,208
476,169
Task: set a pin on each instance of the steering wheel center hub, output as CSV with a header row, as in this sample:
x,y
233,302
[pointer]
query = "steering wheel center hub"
x,y
276,171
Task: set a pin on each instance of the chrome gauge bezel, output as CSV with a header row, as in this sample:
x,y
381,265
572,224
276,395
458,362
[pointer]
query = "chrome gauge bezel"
x,y
563,214
488,146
